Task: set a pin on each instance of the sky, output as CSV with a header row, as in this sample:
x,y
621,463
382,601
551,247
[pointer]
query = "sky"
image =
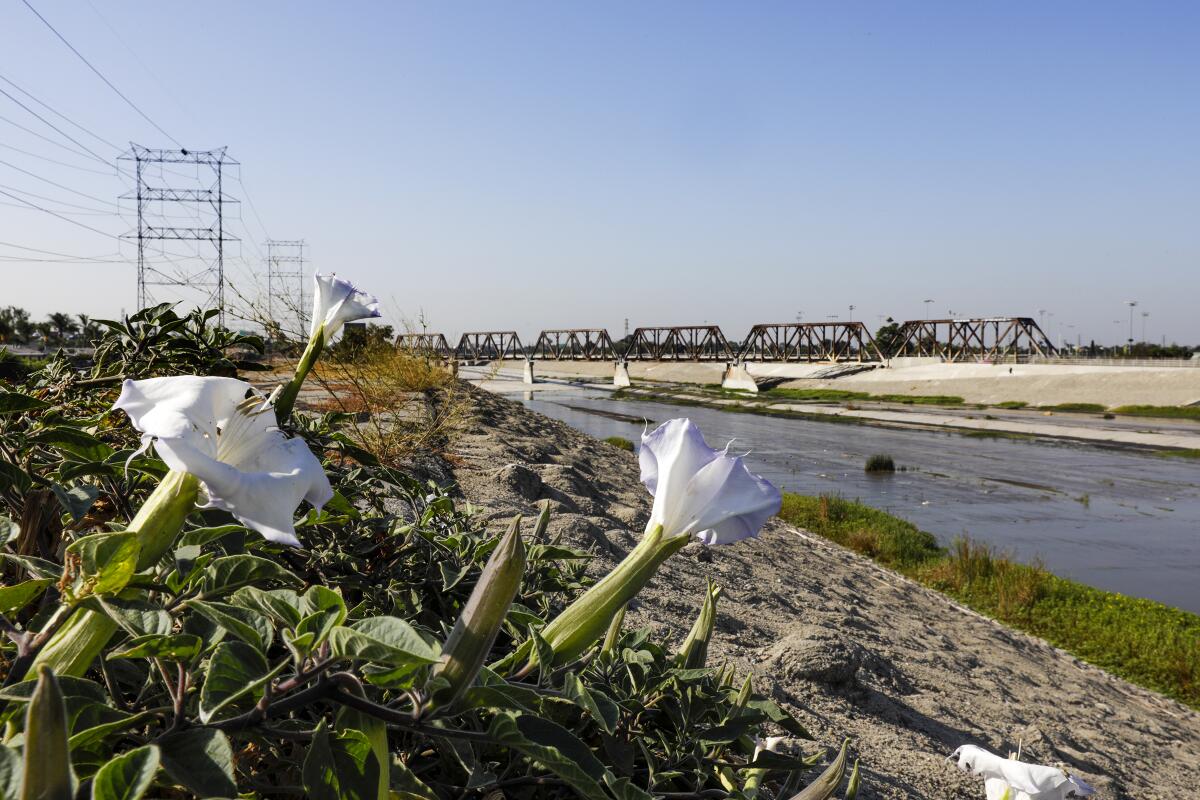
x,y
529,165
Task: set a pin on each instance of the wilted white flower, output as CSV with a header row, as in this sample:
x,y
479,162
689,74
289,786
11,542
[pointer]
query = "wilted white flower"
x,y
1009,779
223,432
699,491
336,302
771,743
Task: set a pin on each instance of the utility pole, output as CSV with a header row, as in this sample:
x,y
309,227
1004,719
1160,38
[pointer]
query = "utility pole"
x,y
209,206
851,318
927,302
286,279
1132,304
1145,314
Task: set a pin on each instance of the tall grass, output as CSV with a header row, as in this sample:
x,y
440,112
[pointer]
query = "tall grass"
x,y
1076,408
402,403
1165,412
844,395
1143,641
880,462
620,442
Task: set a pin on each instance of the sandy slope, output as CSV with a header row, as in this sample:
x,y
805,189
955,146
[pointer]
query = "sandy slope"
x,y
851,648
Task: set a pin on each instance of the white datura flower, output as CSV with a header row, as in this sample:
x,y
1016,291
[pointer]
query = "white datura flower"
x,y
1009,779
699,491
336,301
770,744
223,432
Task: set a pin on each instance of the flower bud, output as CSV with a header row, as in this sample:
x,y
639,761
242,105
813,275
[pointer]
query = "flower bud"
x,y
473,634
47,754
694,651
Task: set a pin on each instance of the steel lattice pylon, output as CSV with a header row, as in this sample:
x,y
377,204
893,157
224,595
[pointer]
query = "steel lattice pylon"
x,y
286,279
209,204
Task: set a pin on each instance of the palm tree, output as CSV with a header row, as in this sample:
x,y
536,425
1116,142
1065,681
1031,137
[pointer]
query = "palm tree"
x,y
63,325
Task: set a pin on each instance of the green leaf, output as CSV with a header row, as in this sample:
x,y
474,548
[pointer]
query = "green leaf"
x,y
281,604
324,610
37,567
14,598
382,640
235,671
10,773
47,773
106,562
341,767
603,713
9,530
16,403
128,776
853,784
555,748
135,615
172,647
201,760
88,737
230,573
202,536
827,782
77,500
249,626
73,441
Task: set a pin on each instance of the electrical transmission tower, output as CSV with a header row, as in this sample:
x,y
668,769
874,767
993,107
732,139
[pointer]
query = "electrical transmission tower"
x,y
286,282
207,206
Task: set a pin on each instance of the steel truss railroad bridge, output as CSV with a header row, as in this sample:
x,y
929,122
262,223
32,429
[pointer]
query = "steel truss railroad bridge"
x,y
985,339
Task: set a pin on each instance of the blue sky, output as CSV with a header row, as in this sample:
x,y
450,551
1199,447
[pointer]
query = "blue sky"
x,y
527,165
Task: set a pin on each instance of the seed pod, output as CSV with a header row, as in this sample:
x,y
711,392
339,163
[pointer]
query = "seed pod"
x,y
47,773
694,652
473,634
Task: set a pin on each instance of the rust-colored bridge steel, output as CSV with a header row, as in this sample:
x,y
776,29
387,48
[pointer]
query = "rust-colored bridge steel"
x,y
489,346
425,344
810,341
574,344
982,339
686,343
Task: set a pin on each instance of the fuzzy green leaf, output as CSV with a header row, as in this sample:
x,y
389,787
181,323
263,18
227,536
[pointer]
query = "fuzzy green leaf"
x,y
249,626
47,773
10,773
827,782
128,776
389,641
106,562
555,748
230,573
235,671
17,403
341,767
201,760
172,647
14,598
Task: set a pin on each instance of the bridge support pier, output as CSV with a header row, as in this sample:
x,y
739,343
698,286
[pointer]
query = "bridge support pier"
x,y
736,377
452,365
527,372
621,374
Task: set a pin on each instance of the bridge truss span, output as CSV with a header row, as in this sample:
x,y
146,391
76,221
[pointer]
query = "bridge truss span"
x,y
810,342
489,346
574,344
982,339
425,344
679,343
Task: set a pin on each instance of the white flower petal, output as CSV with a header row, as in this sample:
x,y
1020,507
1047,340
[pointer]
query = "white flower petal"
x,y
208,428
336,301
1039,782
184,406
701,491
265,500
1079,787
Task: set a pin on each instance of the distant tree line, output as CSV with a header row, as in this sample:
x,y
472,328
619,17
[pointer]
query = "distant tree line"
x,y
17,327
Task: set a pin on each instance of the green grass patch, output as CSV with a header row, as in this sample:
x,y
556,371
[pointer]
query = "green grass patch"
x,y
1188,453
920,399
1012,404
1143,641
620,442
880,462
814,395
1078,408
1164,412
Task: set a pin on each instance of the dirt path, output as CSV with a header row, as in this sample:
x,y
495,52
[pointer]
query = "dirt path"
x,y
853,649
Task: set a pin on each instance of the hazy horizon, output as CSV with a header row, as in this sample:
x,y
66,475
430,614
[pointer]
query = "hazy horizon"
x,y
538,165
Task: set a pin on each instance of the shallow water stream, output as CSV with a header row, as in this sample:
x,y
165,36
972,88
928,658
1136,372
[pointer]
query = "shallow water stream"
x,y
1120,520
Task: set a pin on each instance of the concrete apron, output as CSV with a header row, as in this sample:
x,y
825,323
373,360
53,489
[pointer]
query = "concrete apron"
x,y
736,377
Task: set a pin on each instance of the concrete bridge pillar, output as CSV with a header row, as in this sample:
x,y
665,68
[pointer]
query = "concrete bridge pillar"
x,y
621,374
527,372
736,377
452,365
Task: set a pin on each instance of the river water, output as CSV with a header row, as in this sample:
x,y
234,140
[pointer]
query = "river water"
x,y
1120,520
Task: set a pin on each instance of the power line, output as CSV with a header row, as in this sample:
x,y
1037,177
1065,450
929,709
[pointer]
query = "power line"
x,y
59,114
56,200
99,74
60,216
63,133
55,161
45,252
52,183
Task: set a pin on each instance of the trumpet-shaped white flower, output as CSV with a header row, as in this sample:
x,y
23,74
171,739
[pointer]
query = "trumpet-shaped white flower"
x,y
336,302
1009,779
771,744
223,432
699,491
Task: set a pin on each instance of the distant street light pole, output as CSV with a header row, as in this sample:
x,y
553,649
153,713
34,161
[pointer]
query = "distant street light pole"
x,y
927,302
1041,318
799,316
1132,304
1144,315
851,319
